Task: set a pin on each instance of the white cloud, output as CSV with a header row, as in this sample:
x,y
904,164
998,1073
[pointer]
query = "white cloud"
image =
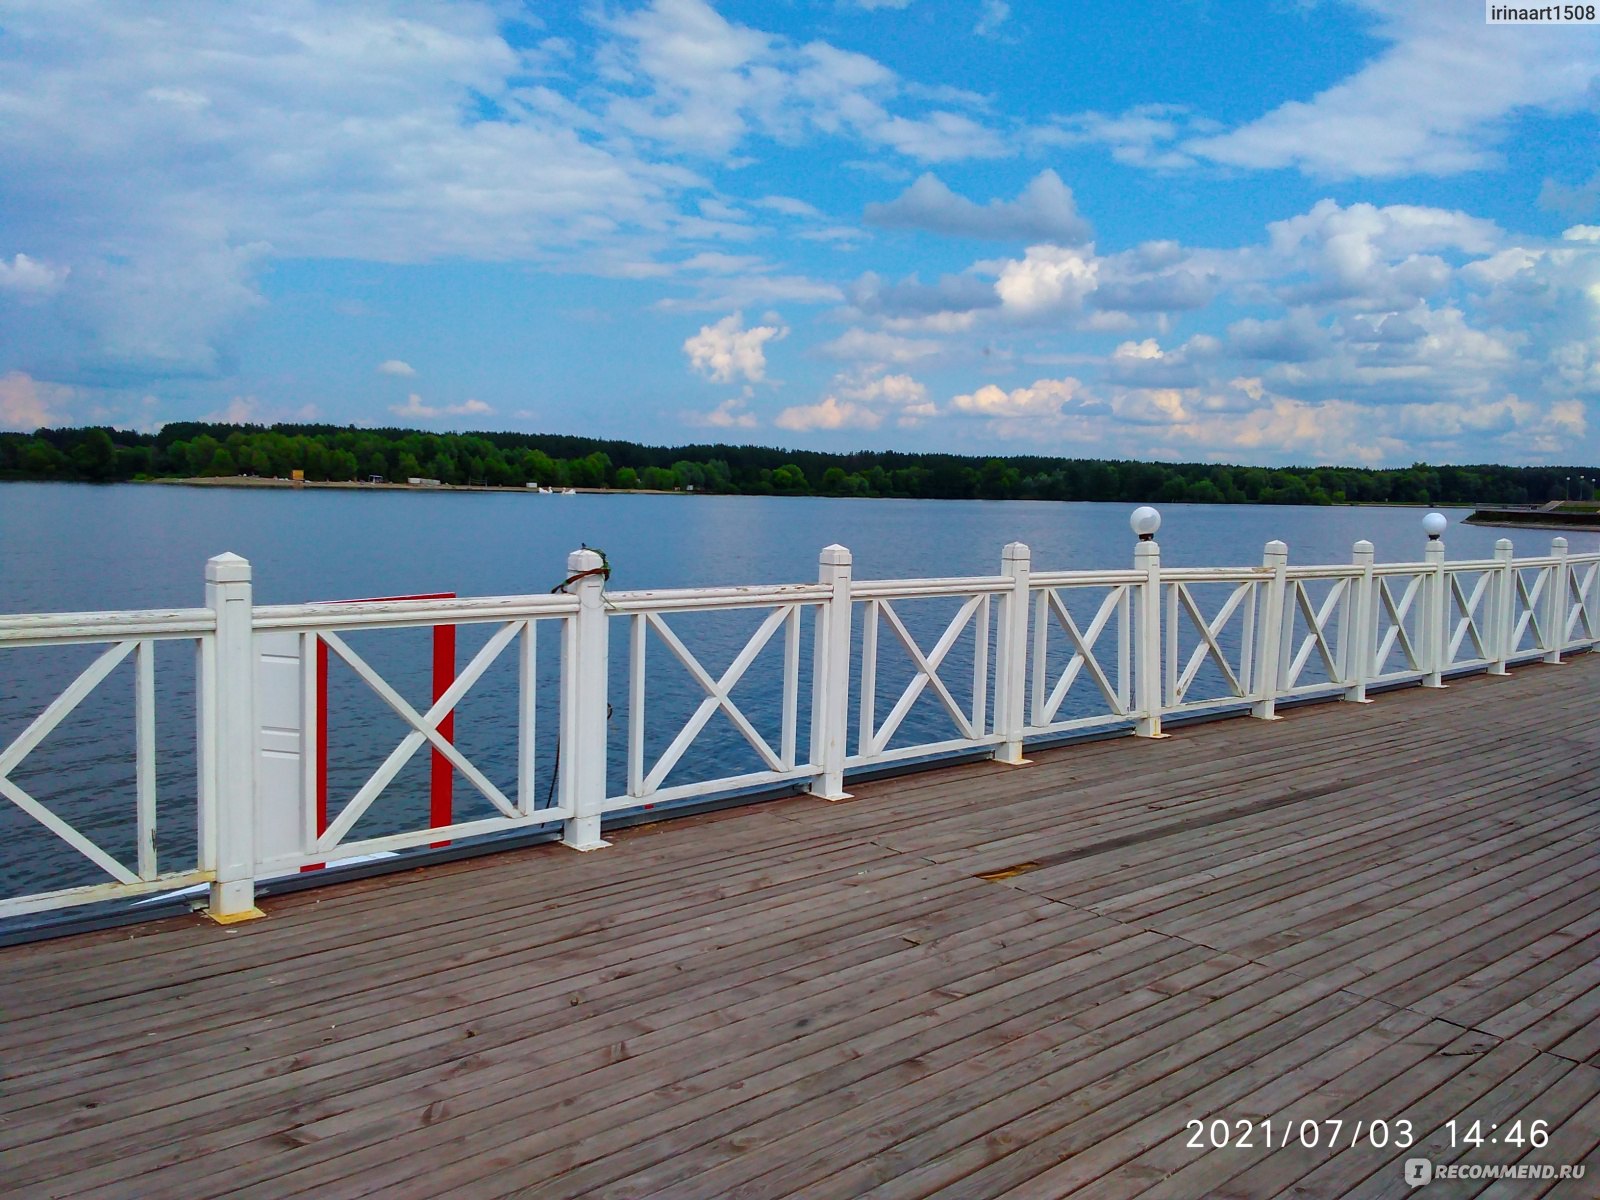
x,y
865,345
863,398
394,366
727,350
1434,102
789,206
1143,136
732,413
702,84
1047,278
247,410
991,15
1045,211
27,404
829,413
30,277
1044,398
415,410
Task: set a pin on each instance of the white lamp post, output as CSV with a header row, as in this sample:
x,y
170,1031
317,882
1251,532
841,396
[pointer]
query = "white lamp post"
x,y
1145,521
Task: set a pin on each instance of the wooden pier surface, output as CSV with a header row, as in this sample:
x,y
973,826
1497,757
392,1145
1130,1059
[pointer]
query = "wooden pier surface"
x,y
1381,912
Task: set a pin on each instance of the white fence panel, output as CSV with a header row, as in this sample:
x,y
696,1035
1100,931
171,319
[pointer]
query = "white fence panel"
x,y
714,685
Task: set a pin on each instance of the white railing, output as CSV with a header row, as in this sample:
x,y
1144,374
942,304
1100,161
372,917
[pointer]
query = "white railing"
x,y
820,679
125,636
291,635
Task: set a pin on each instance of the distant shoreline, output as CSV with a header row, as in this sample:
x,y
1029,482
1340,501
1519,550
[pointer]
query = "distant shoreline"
x,y
253,481
256,481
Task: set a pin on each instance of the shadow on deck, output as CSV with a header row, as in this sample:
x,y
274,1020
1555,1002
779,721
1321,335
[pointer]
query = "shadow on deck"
x,y
1359,913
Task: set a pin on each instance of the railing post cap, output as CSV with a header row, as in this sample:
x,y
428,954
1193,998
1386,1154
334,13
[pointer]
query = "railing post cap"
x,y
583,560
1558,543
1502,546
1016,550
1275,547
227,568
834,556
1363,547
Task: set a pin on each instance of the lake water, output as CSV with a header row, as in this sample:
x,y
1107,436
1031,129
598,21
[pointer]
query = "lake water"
x,y
70,547
79,547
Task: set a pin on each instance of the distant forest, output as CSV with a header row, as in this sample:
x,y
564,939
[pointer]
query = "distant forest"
x,y
329,452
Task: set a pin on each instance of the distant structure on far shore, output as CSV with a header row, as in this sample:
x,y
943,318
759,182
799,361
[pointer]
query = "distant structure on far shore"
x,y
1557,514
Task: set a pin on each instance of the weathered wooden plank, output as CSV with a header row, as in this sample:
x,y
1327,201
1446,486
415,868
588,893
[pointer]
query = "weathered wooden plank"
x,y
822,999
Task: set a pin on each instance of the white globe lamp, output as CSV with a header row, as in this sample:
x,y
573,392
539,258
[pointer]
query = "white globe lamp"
x,y
1145,521
1434,524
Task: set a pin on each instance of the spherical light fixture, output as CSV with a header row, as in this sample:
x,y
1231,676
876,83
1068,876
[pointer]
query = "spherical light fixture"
x,y
1434,524
1145,521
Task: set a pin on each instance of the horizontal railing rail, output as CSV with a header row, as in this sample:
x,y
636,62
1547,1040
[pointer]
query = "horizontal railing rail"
x,y
727,689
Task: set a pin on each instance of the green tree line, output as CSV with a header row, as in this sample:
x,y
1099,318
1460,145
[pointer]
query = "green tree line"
x,y
188,449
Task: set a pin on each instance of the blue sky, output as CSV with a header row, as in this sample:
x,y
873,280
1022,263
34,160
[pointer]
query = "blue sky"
x,y
1353,232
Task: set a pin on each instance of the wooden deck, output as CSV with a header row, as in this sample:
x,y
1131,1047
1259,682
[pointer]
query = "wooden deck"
x,y
1388,911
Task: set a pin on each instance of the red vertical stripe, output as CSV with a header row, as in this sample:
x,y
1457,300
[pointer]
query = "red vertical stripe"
x,y
322,746
442,781
441,776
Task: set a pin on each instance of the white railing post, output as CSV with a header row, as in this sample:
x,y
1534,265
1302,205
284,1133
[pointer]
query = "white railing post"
x,y
584,704
1435,623
1364,630
1556,598
1503,612
228,735
1011,668
1269,635
1147,646
830,677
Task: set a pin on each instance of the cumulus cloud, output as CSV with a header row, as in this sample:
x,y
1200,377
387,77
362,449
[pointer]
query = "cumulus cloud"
x,y
415,410
1045,211
1376,255
1048,278
828,413
1179,290
1044,398
1433,102
947,306
394,366
732,413
863,398
27,404
217,145
727,350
